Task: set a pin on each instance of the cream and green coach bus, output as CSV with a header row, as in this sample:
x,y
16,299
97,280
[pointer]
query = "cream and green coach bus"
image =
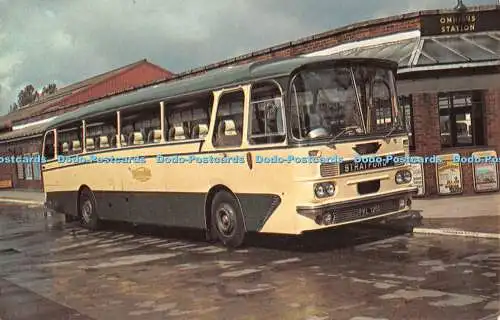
x,y
282,146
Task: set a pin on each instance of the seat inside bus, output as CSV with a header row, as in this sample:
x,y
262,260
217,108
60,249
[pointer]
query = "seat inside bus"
x,y
177,132
103,142
228,133
65,147
76,146
89,144
200,131
154,136
114,139
136,138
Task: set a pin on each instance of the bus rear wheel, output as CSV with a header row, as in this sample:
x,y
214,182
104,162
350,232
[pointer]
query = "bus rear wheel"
x,y
227,220
88,210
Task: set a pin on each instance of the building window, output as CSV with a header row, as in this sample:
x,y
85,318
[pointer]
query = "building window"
x,y
36,168
20,170
461,119
382,105
406,111
28,167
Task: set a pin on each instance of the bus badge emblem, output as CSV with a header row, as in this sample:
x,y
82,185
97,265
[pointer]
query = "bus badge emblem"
x,y
141,174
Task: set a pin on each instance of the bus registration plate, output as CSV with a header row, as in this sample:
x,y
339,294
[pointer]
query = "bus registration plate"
x,y
369,210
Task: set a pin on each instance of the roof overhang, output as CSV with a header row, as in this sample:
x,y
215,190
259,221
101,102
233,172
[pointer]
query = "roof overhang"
x,y
383,40
450,66
415,53
31,124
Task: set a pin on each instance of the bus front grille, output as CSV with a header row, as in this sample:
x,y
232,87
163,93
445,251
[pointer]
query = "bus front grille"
x,y
329,169
358,212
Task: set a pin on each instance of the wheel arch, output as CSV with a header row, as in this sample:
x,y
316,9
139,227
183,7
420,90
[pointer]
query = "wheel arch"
x,y
208,204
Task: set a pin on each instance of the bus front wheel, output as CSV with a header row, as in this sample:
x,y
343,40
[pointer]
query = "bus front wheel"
x,y
227,220
88,210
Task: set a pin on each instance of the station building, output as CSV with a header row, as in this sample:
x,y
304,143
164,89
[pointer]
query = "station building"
x,y
448,82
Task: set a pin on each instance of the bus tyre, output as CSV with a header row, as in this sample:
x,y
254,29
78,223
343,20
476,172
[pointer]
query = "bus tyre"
x,y
227,220
88,210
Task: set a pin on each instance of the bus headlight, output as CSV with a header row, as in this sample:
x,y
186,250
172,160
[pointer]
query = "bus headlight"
x,y
403,176
323,190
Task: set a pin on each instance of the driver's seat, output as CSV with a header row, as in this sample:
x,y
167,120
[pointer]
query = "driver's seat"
x,y
314,121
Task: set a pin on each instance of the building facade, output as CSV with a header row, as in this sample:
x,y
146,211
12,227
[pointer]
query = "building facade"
x,y
16,134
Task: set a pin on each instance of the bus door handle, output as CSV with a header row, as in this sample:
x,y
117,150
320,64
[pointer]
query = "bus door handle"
x,y
249,160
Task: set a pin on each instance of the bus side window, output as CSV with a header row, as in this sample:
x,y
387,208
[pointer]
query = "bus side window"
x,y
70,139
188,119
101,132
229,120
266,114
49,150
140,125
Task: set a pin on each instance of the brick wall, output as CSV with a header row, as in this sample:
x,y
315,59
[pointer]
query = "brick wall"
x,y
492,106
427,136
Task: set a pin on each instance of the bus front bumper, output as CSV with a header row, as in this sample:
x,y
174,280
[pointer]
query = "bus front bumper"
x,y
359,210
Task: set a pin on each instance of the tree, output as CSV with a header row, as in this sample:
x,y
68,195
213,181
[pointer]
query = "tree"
x,y
13,107
49,89
29,95
26,96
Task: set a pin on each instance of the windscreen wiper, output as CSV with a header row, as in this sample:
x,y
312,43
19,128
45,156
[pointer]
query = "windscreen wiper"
x,y
341,133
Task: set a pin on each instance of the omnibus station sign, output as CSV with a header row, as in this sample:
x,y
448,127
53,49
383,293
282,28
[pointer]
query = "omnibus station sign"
x,y
460,22
485,172
417,170
449,175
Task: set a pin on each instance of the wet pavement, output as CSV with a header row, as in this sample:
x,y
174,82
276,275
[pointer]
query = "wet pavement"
x,y
484,224
53,270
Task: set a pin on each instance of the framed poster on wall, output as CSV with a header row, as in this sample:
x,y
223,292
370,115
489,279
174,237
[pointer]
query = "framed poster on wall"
x,y
485,171
449,175
417,172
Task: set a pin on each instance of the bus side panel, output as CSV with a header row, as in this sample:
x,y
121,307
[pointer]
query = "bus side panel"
x,y
180,209
112,205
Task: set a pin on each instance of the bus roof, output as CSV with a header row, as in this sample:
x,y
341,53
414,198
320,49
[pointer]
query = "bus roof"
x,y
211,80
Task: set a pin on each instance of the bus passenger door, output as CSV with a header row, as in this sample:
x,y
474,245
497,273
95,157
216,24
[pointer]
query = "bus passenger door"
x,y
226,140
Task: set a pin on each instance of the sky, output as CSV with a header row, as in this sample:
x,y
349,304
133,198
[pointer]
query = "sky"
x,y
65,41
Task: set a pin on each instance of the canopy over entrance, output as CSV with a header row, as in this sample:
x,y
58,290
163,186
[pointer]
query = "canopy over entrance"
x,y
433,52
